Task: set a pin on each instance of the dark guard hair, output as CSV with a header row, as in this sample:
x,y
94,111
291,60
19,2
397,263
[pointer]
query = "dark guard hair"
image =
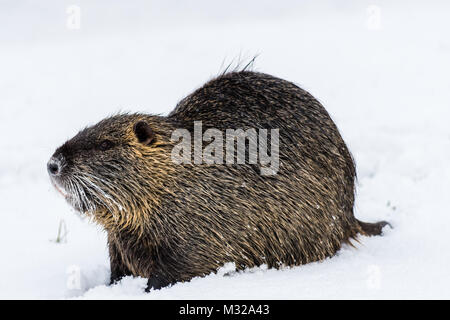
x,y
170,222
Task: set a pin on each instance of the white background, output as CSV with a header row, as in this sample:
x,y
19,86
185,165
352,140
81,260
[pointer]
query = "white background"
x,y
384,79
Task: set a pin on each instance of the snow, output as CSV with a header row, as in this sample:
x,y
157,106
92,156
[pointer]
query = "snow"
x,y
386,86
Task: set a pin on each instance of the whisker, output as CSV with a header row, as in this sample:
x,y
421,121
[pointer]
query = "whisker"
x,y
95,190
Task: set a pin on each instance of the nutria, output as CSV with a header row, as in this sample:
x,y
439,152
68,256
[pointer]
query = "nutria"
x,y
169,221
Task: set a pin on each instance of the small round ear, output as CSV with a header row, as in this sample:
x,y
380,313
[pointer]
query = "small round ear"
x,y
143,132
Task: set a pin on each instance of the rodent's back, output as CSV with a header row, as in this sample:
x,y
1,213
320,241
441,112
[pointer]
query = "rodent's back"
x,y
301,214
241,100
244,99
309,139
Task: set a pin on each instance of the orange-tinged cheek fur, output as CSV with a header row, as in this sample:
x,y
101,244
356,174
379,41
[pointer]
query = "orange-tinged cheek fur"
x,y
137,190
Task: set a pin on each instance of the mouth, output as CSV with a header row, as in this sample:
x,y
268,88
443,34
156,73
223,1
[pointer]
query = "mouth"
x,y
70,196
60,189
84,193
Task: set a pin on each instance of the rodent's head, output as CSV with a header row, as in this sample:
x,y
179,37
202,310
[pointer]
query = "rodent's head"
x,y
115,168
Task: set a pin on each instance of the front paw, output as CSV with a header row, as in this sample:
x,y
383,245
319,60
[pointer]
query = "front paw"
x,y
155,283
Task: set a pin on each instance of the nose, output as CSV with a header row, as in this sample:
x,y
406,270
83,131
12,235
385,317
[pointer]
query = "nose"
x,y
53,167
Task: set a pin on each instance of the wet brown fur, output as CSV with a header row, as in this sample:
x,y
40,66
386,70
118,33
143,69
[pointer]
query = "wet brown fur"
x,y
170,222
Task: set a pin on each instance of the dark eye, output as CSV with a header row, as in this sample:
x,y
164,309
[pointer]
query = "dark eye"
x,y
106,144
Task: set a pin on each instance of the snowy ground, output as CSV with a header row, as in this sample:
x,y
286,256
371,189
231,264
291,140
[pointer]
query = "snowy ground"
x,y
386,85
